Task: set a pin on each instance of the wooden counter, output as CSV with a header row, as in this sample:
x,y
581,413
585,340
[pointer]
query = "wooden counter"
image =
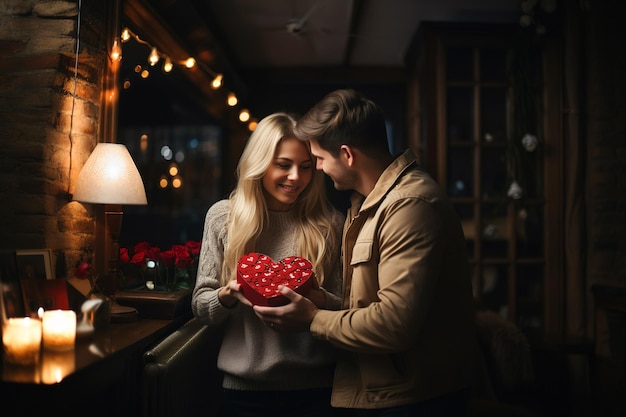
x,y
102,376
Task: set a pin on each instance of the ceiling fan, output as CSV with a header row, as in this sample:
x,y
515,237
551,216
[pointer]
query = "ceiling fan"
x,y
296,26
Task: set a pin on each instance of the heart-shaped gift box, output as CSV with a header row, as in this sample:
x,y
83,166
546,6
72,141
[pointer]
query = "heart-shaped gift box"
x,y
260,276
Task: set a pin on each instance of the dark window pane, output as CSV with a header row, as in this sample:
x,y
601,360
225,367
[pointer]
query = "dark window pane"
x,y
531,172
460,64
460,172
177,199
493,64
530,283
494,291
493,174
530,226
493,114
466,215
494,231
460,110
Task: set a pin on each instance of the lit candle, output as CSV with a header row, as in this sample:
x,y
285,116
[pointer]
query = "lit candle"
x,y
21,338
59,329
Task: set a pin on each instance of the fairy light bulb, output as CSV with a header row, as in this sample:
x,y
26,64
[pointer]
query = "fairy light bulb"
x,y
232,99
190,62
167,66
116,51
125,35
252,125
173,170
244,115
153,58
217,81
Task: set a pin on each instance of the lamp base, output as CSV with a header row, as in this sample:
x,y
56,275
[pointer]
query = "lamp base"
x,y
123,314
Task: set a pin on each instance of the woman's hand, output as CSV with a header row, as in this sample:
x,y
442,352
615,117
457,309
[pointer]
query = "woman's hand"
x,y
231,293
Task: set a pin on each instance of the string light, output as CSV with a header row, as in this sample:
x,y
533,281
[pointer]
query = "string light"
x,y
168,65
153,58
217,81
116,51
155,55
244,115
190,62
125,35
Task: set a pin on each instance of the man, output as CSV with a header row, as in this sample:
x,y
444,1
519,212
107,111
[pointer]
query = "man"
x,y
405,338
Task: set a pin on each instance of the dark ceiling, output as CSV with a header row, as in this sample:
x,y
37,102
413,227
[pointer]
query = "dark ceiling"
x,y
236,37
297,42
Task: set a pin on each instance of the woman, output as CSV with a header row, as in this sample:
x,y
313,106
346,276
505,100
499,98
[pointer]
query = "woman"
x,y
278,208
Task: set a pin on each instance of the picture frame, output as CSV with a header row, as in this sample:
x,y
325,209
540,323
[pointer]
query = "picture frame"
x,y
34,264
11,301
49,294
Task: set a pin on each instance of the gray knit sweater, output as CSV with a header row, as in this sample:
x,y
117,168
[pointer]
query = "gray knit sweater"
x,y
253,356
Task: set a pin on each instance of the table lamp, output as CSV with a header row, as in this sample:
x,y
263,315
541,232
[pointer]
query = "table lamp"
x,y
111,177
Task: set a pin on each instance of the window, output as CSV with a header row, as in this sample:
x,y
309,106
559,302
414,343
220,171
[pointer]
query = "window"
x,y
474,116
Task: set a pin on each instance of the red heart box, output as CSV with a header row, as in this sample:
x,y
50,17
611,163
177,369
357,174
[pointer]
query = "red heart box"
x,y
260,276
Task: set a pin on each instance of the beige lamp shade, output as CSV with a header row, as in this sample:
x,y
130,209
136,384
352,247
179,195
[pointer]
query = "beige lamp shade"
x,y
110,177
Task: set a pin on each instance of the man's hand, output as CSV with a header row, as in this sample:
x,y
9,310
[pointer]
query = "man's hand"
x,y
293,317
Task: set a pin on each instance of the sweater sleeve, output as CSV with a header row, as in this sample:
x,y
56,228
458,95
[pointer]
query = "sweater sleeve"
x,y
205,303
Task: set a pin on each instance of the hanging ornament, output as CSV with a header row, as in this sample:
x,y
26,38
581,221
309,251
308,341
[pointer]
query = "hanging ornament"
x,y
530,142
515,191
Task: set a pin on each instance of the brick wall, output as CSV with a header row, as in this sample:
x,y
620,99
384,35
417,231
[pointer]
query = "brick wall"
x,y
40,155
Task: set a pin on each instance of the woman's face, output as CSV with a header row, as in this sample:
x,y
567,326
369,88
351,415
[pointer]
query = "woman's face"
x,y
288,175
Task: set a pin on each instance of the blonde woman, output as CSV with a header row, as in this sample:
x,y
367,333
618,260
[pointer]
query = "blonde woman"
x,y
278,208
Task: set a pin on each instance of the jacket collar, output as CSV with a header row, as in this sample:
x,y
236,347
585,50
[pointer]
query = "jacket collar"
x,y
385,182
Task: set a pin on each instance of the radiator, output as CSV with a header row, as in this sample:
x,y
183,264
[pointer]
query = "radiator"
x,y
180,373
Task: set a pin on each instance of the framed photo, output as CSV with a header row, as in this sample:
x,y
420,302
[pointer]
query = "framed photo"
x,y
35,264
11,302
50,294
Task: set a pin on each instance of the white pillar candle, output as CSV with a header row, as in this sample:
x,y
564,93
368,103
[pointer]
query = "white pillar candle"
x,y
59,329
21,338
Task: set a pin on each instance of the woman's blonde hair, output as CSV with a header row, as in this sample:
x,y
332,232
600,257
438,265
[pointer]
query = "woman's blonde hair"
x,y
248,207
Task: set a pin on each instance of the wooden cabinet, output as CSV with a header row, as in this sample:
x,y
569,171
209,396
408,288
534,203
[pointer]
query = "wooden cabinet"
x,y
102,376
477,94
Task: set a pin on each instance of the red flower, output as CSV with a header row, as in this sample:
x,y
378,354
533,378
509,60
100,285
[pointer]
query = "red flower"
x,y
138,258
193,247
83,270
184,262
154,253
183,257
124,256
142,247
168,257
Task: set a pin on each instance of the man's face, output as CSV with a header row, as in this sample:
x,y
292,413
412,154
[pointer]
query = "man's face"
x,y
335,167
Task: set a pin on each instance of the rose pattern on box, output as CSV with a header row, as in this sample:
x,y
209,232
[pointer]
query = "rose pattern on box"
x,y
260,276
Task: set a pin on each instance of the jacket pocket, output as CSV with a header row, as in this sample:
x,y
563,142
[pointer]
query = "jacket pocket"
x,y
362,252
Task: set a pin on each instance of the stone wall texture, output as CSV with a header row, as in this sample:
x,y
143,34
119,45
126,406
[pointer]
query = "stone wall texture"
x,y
49,115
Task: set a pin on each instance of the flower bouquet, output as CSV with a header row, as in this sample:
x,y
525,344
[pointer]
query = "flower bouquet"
x,y
168,270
